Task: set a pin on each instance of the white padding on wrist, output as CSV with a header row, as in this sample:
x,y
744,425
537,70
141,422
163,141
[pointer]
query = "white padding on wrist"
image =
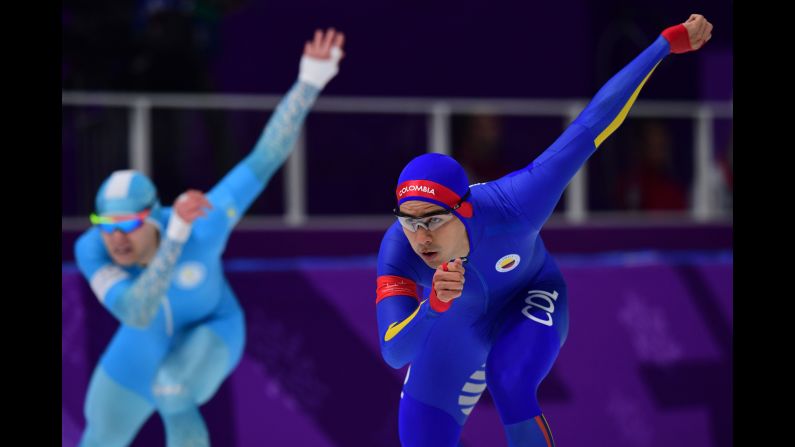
x,y
178,229
318,72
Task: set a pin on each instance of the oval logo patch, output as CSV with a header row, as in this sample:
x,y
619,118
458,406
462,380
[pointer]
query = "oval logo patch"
x,y
190,274
507,263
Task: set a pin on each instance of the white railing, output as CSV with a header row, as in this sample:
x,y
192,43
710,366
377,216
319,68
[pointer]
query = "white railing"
x,y
438,111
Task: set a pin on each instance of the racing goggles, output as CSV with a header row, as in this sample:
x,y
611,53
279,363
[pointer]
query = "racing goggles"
x,y
126,223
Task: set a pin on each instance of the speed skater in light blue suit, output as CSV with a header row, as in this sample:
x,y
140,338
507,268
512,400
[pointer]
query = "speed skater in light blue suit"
x,y
158,271
497,315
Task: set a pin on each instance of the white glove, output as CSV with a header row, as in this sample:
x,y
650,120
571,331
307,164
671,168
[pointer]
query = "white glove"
x,y
178,229
317,72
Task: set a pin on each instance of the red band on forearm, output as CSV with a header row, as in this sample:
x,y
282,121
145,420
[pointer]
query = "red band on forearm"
x,y
388,285
678,38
